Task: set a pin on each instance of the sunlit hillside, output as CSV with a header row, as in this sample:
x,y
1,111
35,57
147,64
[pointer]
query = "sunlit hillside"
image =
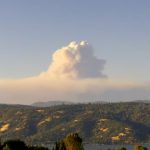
x,y
97,123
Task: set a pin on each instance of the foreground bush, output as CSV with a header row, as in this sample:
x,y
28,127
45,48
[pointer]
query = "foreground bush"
x,y
14,145
70,142
139,147
121,148
19,145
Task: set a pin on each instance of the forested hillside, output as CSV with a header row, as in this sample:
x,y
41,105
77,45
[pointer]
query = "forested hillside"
x,y
103,123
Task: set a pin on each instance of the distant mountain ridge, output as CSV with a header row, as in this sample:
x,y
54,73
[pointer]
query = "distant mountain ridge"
x,y
127,122
55,103
50,103
142,101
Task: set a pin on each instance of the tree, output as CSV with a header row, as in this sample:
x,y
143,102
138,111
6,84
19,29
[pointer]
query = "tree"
x,y
139,147
73,142
70,142
6,147
60,145
14,145
121,148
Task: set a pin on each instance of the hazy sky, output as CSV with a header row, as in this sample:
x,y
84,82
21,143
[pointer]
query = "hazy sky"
x,y
32,30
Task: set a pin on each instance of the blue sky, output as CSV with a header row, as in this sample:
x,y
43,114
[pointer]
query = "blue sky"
x,y
31,30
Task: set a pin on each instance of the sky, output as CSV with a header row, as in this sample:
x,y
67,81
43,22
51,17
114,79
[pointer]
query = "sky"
x,y
115,35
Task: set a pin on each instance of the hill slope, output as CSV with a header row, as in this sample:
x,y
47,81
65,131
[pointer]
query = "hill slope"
x,y
103,123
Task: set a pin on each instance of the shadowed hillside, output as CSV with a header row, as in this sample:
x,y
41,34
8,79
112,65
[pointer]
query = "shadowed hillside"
x,y
103,123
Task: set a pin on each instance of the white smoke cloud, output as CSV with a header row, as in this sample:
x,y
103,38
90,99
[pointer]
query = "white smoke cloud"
x,y
75,74
27,91
75,61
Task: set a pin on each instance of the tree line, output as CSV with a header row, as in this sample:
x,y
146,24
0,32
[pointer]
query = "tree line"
x,y
71,142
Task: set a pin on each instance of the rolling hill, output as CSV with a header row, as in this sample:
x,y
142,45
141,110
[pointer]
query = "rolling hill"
x,y
103,123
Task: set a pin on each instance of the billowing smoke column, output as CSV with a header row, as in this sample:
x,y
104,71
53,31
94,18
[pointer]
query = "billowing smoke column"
x,y
75,61
75,74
